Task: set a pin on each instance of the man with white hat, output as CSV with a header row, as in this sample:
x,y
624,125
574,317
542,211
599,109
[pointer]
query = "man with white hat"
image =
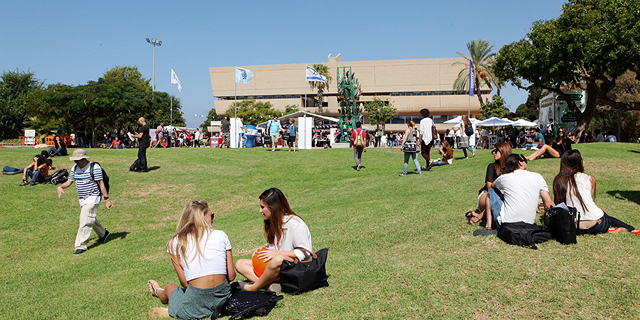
x,y
91,189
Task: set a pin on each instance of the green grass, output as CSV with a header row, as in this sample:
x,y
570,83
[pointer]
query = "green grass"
x,y
400,247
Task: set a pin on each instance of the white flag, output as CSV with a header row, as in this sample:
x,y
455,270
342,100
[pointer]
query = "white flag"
x,y
174,79
313,75
243,75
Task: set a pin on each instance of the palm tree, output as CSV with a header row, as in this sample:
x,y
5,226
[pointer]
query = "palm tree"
x,y
482,57
321,86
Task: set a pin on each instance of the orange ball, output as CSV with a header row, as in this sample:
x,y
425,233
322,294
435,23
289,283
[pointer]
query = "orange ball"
x,y
259,265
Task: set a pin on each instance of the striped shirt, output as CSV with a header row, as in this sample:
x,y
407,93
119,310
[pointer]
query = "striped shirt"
x,y
88,190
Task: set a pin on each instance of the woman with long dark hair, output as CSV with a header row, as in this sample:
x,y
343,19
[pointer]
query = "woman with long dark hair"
x,y
38,171
285,231
203,261
560,145
500,152
59,147
578,189
410,135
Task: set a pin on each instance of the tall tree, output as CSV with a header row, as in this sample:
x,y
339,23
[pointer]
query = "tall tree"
x,y
588,47
321,86
482,57
15,90
531,109
253,112
380,111
496,108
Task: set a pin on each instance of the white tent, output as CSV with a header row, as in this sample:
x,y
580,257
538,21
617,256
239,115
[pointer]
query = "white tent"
x,y
494,122
457,120
523,123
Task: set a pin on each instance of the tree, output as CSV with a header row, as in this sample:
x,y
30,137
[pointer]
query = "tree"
x,y
588,47
16,89
496,108
531,109
321,86
211,116
253,112
291,108
482,57
380,111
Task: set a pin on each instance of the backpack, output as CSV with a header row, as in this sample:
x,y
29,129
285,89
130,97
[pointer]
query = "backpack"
x,y
468,129
561,222
105,177
359,140
246,304
523,234
135,166
60,176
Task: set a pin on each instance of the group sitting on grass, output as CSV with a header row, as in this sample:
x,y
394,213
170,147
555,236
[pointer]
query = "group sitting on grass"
x,y
203,260
513,196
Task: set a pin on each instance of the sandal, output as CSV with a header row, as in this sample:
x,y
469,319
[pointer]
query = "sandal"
x,y
474,219
468,214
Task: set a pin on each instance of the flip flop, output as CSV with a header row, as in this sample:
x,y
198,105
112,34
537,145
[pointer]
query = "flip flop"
x,y
155,291
474,219
468,214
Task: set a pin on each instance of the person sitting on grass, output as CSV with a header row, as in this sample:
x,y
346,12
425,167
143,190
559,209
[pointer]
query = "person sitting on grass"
x,y
577,189
560,145
38,171
59,148
514,198
447,156
500,153
285,232
203,261
536,140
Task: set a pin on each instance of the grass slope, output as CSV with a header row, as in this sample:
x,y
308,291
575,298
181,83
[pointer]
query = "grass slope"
x,y
400,248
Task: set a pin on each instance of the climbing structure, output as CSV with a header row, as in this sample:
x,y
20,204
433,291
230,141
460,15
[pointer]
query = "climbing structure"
x,y
348,97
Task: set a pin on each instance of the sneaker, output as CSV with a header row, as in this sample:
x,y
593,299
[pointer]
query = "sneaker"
x,y
79,251
105,237
636,232
484,232
617,230
358,168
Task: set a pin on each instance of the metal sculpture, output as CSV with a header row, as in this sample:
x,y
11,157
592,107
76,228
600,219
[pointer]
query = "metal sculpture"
x,y
348,96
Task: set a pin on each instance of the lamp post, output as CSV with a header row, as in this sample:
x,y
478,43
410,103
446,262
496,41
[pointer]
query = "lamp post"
x,y
155,42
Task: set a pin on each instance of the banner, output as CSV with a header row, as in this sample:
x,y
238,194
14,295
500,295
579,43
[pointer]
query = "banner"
x,y
472,79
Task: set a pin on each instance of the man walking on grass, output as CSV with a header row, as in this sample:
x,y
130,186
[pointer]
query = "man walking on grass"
x,y
91,189
359,142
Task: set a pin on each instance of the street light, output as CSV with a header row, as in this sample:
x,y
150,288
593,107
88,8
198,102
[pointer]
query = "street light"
x,y
155,42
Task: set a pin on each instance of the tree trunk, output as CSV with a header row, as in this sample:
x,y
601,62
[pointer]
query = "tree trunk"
x,y
94,138
319,101
583,119
479,94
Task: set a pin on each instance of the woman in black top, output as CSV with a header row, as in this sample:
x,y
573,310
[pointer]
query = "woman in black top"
x,y
561,145
59,148
500,152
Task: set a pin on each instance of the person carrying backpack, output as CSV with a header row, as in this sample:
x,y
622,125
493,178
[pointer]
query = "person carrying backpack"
x,y
91,187
358,137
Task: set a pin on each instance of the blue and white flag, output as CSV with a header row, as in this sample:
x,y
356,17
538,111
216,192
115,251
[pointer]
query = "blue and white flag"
x,y
243,75
174,79
313,75
472,79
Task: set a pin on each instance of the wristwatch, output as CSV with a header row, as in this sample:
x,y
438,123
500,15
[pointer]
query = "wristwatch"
x,y
106,197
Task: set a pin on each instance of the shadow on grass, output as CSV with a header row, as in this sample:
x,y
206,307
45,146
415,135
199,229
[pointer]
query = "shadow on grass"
x,y
626,194
112,236
356,167
153,168
634,151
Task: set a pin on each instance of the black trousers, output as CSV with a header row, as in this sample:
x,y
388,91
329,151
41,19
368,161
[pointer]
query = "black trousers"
x,y
142,157
425,150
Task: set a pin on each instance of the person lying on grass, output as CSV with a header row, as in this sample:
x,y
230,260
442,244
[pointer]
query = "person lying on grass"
x,y
500,152
514,197
285,231
578,189
561,145
203,261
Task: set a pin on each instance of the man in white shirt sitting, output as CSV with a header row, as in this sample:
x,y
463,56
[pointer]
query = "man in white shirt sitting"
x,y
515,195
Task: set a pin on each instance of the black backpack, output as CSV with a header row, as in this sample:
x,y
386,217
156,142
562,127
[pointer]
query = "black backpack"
x,y
468,129
246,303
60,176
523,234
135,166
105,177
561,223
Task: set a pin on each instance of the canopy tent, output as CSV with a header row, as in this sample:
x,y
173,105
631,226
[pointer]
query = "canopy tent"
x,y
316,118
524,123
494,122
458,119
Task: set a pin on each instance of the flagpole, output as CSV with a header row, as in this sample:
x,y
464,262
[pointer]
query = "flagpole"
x,y
171,108
304,133
235,106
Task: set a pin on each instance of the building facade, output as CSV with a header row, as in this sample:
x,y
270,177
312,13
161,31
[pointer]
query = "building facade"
x,y
410,85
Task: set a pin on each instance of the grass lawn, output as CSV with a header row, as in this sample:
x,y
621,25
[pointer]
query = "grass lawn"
x,y
400,246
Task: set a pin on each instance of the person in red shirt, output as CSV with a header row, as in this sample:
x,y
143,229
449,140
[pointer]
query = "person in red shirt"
x,y
359,142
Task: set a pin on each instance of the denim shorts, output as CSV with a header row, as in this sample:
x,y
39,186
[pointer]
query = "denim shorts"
x,y
196,303
496,199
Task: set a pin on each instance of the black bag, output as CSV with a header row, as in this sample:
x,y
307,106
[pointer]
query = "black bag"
x,y
60,176
561,223
298,277
468,130
411,147
462,142
135,166
523,234
246,304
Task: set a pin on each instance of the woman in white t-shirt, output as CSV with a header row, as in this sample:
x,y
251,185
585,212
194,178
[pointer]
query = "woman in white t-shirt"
x,y
203,261
285,232
578,189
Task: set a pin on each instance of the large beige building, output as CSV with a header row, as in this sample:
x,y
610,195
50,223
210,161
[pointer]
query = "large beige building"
x,y
409,85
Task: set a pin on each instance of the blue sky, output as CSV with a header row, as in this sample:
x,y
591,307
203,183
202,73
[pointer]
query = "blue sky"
x,y
72,42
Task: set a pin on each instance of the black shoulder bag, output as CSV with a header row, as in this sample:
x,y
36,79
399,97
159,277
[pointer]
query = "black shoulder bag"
x,y
302,276
561,222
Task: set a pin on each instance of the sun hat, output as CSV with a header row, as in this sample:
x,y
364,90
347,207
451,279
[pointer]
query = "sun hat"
x,y
78,154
